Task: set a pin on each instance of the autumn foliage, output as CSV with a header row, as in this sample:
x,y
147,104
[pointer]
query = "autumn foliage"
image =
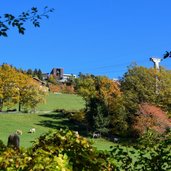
x,y
151,117
16,87
61,88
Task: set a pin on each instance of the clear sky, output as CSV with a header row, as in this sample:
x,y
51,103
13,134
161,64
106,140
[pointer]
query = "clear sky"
x,y
101,37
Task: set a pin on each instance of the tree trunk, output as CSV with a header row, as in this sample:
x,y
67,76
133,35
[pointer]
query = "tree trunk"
x,y
19,107
1,104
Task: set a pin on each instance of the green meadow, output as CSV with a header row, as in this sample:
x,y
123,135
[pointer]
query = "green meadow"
x,y
62,101
45,119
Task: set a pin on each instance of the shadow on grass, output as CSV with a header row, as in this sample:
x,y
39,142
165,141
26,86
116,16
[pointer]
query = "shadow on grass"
x,y
59,120
53,115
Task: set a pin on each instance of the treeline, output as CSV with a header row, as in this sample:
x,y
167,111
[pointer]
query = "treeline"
x,y
17,87
137,104
35,73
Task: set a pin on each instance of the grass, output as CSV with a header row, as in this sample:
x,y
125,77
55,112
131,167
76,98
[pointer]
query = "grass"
x,y
11,122
102,144
62,101
44,120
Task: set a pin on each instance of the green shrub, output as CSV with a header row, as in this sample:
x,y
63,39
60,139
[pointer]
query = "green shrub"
x,y
67,151
57,150
80,152
157,158
149,138
75,115
2,146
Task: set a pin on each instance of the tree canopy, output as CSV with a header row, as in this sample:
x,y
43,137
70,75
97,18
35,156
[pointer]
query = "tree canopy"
x,y
99,93
17,87
113,106
139,85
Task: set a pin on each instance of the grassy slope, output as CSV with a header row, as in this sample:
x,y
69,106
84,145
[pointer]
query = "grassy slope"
x,y
62,101
44,120
9,123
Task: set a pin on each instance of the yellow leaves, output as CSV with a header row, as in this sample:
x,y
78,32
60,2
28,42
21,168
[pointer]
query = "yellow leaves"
x,y
16,86
99,87
9,91
86,86
77,140
62,161
84,142
109,87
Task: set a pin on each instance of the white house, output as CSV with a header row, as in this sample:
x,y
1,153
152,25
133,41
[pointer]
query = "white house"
x,y
66,77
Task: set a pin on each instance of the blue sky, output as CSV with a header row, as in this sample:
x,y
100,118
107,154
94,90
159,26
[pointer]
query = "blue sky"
x,y
101,37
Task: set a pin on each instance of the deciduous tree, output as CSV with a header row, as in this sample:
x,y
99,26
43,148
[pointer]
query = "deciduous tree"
x,y
151,117
31,95
17,87
139,86
9,92
98,93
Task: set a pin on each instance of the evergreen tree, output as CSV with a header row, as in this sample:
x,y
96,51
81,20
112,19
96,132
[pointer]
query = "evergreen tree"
x,y
35,73
30,72
39,74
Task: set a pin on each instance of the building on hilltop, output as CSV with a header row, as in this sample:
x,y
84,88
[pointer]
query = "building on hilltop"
x,y
67,77
58,75
45,76
64,81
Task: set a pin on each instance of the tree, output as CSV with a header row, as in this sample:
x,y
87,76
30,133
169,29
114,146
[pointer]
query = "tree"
x,y
30,72
35,73
31,94
85,86
139,86
17,87
101,122
23,80
39,74
98,93
8,21
118,117
9,92
150,117
164,89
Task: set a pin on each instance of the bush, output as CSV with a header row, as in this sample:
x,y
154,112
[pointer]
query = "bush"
x,y
149,138
2,147
132,159
66,150
56,150
80,152
73,115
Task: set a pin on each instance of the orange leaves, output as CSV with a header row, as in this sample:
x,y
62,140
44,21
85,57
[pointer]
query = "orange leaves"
x,y
151,117
109,87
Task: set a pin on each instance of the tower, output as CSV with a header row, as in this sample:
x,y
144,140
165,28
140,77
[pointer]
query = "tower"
x,y
156,62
